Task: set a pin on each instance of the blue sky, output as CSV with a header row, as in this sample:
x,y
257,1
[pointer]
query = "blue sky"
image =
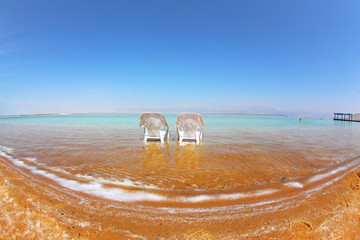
x,y
180,56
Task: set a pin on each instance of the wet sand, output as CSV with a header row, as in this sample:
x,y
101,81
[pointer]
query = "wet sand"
x,y
34,207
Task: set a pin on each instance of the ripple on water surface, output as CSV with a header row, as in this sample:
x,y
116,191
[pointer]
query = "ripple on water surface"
x,y
233,164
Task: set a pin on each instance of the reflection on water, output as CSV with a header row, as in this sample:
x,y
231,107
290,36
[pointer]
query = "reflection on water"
x,y
155,155
189,156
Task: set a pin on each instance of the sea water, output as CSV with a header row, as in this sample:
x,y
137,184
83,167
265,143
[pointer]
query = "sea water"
x,y
241,156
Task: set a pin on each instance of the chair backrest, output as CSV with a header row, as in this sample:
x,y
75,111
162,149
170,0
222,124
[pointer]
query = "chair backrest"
x,y
189,123
153,122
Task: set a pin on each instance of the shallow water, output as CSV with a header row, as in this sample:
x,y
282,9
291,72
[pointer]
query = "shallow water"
x,y
241,157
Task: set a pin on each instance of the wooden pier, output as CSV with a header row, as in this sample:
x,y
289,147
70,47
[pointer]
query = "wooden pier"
x,y
345,117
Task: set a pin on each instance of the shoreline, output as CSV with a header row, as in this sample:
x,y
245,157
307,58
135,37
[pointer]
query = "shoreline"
x,y
35,208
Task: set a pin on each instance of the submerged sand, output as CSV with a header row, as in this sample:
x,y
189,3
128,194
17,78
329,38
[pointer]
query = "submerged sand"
x,y
34,207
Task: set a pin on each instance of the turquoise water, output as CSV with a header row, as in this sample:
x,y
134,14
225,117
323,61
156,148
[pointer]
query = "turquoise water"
x,y
233,127
238,152
219,129
212,121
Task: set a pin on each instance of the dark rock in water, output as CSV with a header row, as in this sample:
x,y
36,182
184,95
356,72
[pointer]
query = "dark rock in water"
x,y
89,174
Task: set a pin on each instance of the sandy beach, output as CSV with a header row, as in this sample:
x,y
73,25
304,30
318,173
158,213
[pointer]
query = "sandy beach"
x,y
35,208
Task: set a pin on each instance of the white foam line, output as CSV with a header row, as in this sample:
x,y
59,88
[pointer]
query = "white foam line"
x,y
96,188
294,184
125,182
89,188
318,188
265,192
231,196
281,202
342,168
6,149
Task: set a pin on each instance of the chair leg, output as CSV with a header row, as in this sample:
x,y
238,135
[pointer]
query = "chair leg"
x,y
197,137
145,135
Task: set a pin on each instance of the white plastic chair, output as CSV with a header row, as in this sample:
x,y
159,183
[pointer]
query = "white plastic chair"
x,y
155,127
189,127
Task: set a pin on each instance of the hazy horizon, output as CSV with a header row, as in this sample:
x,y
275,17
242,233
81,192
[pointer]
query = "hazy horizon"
x,y
278,57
